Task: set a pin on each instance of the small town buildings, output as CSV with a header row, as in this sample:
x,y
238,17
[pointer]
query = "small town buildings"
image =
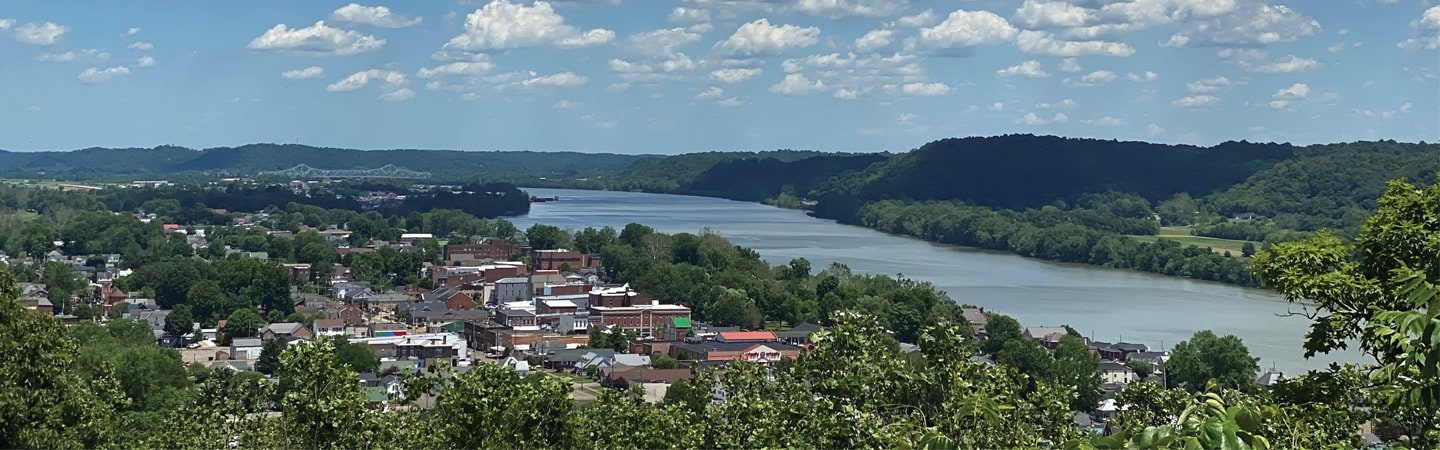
x,y
1112,372
246,348
329,327
286,330
561,259
513,289
1048,336
755,352
799,334
975,317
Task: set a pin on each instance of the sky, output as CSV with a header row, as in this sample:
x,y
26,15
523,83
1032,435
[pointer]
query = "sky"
x,y
653,76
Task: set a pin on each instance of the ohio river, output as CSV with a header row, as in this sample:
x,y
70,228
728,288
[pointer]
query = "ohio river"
x,y
1106,304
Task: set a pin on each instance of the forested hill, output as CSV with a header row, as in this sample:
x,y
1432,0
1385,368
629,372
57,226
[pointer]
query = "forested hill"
x,y
1021,171
248,159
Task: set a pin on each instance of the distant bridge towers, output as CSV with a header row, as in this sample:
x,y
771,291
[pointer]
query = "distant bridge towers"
x,y
302,171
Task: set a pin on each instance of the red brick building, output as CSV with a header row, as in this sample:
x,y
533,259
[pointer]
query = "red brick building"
x,y
490,250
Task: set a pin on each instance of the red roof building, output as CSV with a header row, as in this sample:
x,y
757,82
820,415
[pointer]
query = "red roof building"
x,y
745,336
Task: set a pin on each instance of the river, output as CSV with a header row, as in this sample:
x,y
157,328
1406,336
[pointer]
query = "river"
x,y
1106,304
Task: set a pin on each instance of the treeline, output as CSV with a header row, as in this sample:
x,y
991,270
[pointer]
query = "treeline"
x,y
730,285
1056,239
195,205
171,161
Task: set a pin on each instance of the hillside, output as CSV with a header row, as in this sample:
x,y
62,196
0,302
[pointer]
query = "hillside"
x,y
248,159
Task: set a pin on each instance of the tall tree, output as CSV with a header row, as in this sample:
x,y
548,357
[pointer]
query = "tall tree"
x,y
244,322
269,359
1000,329
179,322
546,237
1076,366
1205,357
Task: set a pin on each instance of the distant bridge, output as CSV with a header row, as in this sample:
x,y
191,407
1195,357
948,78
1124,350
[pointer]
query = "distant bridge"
x,y
388,171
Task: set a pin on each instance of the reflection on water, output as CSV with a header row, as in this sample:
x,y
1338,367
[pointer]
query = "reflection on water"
x,y
1103,303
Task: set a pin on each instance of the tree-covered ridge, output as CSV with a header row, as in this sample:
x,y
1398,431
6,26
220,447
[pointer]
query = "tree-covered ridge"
x,y
735,174
445,165
1331,186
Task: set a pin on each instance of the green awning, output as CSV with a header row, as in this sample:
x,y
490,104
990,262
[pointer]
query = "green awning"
x,y
681,322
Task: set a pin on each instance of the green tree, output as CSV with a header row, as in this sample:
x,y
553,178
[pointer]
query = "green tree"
x,y
1143,369
1206,357
1076,366
547,237
1247,249
1000,329
244,322
47,402
324,407
663,362
359,357
1028,357
179,322
269,359
537,411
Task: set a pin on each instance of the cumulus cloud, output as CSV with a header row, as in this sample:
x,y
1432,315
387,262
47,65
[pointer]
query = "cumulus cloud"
x,y
131,32
43,34
375,16
711,93
97,75
1027,69
71,55
1039,42
1248,23
1426,32
1063,104
388,80
1106,121
1195,101
316,40
303,74
1208,85
5,24
735,75
683,14
462,68
1287,64
662,43
1095,78
145,61
1070,65
925,89
760,38
967,29
1145,77
1032,119
531,79
140,46
398,95
501,25
797,84
1282,98
851,8
1154,129
874,40
731,102
845,94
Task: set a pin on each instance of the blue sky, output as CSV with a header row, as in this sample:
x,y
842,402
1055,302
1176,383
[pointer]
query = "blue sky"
x,y
652,76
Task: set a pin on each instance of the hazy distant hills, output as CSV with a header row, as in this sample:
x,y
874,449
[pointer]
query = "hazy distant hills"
x,y
249,159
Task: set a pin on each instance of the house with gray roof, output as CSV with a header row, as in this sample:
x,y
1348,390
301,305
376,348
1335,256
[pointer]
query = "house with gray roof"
x,y
286,330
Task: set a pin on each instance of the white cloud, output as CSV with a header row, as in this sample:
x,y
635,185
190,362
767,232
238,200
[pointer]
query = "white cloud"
x,y
465,68
1207,85
562,79
96,75
1287,64
71,55
377,16
925,89
5,24
131,32
1145,77
731,102
1031,119
683,14
1070,65
1249,23
145,61
736,75
618,87
874,40
501,25
1039,42
906,118
1154,130
1028,69
845,94
1294,92
1106,121
797,84
40,33
1048,14
851,8
565,104
760,38
398,95
140,46
389,80
1195,101
303,74
1405,108
965,29
316,40
1426,31
711,93
997,106
1063,104
923,19
1095,78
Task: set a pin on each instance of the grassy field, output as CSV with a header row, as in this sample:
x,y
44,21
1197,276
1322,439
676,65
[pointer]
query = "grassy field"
x,y
1182,235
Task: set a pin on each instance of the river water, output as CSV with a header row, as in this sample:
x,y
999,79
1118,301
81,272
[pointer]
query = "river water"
x,y
1106,304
